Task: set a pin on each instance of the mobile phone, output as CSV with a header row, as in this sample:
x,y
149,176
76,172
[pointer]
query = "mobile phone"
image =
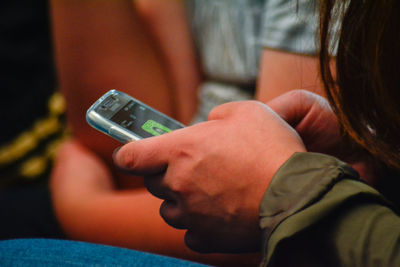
x,y
126,119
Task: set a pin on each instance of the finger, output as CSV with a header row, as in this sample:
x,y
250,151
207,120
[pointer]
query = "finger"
x,y
172,214
156,186
171,209
294,105
145,157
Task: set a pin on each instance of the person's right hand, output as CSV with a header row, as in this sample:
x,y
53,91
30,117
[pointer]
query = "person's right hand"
x,y
212,175
312,117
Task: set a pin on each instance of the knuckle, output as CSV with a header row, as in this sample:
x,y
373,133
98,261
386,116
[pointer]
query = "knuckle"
x,y
186,150
176,185
215,113
221,111
232,108
302,95
297,94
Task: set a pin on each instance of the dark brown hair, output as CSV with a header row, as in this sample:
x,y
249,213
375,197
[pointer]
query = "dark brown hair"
x,y
364,89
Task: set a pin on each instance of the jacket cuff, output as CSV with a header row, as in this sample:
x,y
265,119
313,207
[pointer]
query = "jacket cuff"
x,y
302,180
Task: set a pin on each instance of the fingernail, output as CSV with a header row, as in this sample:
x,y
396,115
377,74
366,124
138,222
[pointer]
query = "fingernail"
x,y
114,155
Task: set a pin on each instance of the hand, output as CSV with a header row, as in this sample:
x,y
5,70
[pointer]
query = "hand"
x,y
316,123
213,175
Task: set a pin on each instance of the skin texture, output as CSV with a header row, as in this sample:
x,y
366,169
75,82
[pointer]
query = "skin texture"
x,y
281,72
213,175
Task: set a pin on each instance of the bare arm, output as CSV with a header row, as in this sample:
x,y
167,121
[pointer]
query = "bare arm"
x,y
281,72
101,45
168,25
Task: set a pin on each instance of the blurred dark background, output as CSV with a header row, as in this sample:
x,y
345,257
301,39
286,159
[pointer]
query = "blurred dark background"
x,y
27,76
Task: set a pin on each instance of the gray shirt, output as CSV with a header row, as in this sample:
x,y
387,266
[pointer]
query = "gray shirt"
x,y
230,34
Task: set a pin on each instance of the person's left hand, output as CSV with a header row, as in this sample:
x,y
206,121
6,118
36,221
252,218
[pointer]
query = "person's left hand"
x,y
316,123
213,175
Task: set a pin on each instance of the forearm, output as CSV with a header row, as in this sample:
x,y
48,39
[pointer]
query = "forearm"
x,y
282,71
131,219
168,23
101,45
128,219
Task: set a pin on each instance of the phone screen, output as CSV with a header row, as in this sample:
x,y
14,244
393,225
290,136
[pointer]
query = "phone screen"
x,y
143,121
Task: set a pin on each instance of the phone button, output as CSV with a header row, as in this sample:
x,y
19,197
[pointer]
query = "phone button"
x,y
115,133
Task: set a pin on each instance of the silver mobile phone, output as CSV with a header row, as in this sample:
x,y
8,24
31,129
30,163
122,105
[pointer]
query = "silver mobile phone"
x,y
126,119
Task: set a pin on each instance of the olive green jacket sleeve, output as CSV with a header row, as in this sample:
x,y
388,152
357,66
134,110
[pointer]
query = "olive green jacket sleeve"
x,y
317,212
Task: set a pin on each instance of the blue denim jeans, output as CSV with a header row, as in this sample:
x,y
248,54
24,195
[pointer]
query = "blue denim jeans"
x,y
50,252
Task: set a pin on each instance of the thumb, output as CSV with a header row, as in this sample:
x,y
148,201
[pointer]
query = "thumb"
x,y
144,157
